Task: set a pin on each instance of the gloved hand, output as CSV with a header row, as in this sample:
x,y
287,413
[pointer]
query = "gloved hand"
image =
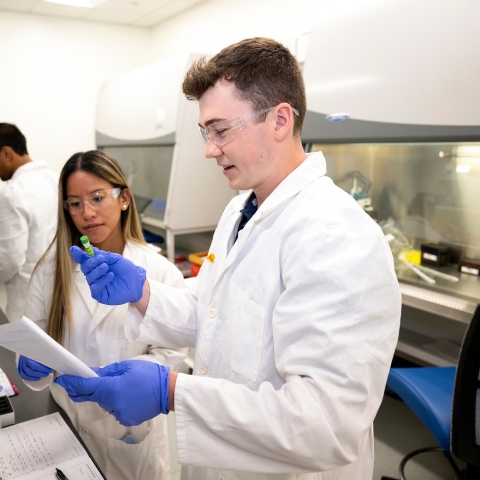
x,y
113,279
133,391
31,370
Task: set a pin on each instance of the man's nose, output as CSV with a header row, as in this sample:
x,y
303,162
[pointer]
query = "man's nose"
x,y
212,150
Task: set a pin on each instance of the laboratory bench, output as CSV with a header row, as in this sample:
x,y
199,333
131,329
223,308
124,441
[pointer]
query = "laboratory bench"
x,y
29,404
435,317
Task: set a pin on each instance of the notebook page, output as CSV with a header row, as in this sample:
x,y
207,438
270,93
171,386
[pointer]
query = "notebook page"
x,y
35,448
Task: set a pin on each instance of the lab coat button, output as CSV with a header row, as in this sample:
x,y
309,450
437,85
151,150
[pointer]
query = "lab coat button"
x,y
92,351
212,312
84,430
203,370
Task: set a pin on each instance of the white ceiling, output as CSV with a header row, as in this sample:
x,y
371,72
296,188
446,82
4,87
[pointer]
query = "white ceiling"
x,y
145,13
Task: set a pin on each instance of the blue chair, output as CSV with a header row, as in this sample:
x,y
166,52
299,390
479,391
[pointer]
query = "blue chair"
x,y
447,401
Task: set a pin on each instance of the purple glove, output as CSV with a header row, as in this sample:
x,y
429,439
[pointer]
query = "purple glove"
x,y
31,370
113,280
133,391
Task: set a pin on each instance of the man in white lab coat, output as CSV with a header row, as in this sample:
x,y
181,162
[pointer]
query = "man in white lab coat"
x,y
294,315
28,215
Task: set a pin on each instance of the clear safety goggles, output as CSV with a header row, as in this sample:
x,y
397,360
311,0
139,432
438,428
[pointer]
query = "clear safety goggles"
x,y
96,201
220,133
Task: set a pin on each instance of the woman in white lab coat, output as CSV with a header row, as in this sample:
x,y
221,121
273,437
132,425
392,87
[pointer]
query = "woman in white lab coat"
x,y
94,200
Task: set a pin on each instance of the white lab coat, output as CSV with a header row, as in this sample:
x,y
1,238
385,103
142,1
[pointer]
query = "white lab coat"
x,y
28,220
98,339
294,327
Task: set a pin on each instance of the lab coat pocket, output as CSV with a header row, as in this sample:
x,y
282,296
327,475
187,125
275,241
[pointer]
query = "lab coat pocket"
x,y
244,337
146,460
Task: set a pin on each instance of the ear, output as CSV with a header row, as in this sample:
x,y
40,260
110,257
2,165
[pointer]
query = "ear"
x,y
125,198
7,152
284,118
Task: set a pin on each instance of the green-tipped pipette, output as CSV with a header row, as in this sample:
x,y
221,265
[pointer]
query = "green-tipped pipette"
x,y
86,245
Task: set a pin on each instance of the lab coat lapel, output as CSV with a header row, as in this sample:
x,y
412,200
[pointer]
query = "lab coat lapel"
x,y
223,257
101,312
312,168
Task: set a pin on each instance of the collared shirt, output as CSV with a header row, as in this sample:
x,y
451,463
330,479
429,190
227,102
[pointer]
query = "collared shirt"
x,y
248,211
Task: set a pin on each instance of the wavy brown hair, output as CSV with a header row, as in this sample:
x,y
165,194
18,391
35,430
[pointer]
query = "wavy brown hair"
x,y
263,71
107,168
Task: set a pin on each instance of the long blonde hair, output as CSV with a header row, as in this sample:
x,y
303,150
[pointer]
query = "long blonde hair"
x,y
107,168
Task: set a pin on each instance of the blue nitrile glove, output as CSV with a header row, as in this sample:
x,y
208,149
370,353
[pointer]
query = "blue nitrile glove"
x,y
31,370
113,279
133,391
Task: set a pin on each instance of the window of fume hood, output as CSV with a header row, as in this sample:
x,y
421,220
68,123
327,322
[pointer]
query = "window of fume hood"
x,y
147,169
430,190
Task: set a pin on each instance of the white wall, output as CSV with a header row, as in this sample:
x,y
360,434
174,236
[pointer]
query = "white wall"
x,y
51,70
212,25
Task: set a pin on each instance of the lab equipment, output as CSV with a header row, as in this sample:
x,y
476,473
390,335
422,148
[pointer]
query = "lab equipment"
x,y
412,256
422,271
435,255
396,239
472,267
435,273
415,269
31,370
7,415
86,245
162,153
417,153
361,186
390,75
113,279
133,391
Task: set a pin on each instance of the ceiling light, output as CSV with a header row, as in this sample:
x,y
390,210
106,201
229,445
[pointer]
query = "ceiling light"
x,y
78,3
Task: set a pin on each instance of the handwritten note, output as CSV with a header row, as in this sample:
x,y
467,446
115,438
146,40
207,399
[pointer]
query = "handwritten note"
x,y
32,450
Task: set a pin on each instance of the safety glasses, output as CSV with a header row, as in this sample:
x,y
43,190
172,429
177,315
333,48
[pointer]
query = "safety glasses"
x,y
220,133
96,200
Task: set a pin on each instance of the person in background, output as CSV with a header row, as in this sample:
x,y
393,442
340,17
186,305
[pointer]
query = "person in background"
x,y
94,200
295,312
28,218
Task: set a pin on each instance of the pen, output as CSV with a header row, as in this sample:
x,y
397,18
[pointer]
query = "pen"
x,y
86,245
60,475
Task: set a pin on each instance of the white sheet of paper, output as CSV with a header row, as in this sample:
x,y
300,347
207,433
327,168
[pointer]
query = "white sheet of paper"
x,y
27,338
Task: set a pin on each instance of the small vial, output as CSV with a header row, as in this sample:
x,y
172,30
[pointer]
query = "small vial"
x,y
86,245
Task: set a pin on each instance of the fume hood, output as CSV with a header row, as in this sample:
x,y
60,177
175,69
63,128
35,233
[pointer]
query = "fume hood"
x,y
145,122
392,93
